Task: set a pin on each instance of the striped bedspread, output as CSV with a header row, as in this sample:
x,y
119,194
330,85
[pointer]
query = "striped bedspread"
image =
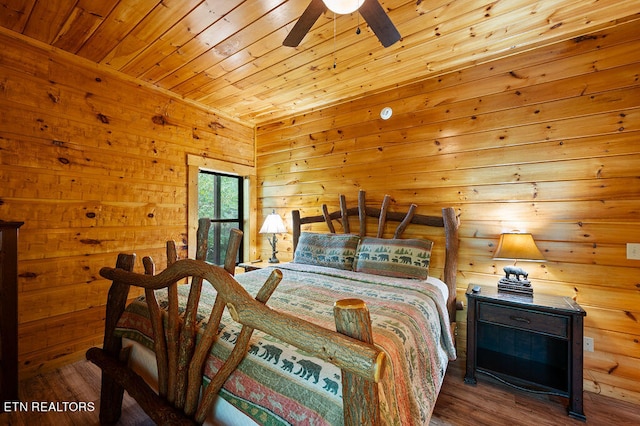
x,y
278,384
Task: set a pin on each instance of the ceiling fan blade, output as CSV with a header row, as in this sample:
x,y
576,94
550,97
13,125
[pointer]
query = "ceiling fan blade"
x,y
379,22
304,24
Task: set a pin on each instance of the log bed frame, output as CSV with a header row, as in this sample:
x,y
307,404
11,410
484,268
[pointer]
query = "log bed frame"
x,y
180,360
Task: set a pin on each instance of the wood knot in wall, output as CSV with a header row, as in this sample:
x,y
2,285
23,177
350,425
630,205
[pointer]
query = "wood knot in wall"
x,y
28,275
159,120
54,98
585,38
91,241
214,125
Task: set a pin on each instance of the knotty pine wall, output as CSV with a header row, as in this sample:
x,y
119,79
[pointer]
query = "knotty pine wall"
x,y
93,165
546,142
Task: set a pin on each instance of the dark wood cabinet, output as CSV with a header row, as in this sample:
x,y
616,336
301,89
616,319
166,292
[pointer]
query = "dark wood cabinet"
x,y
8,311
531,343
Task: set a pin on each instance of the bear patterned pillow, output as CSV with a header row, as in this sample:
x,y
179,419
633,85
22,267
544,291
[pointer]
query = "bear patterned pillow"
x,y
394,257
330,250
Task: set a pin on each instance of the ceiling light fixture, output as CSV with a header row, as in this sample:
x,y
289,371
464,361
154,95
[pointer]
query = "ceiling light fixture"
x,y
343,7
385,113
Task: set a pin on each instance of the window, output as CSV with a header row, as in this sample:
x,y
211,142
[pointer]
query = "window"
x,y
220,198
246,175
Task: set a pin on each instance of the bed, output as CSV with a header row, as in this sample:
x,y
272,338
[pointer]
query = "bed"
x,y
384,365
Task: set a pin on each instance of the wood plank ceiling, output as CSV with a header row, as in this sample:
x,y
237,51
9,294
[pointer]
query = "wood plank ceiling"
x,y
228,54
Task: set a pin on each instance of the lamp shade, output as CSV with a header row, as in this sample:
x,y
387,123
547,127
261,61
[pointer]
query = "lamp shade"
x,y
342,7
517,246
273,224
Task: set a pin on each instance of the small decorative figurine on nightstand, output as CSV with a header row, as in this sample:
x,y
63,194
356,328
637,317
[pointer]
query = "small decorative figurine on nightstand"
x,y
513,281
516,246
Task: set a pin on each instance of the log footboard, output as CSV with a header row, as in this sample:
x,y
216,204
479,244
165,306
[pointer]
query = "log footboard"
x,y
361,362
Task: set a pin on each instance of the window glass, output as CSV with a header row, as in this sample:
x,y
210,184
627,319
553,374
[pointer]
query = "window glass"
x,y
220,199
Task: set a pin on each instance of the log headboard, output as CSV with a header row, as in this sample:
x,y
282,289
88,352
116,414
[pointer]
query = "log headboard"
x,y
448,221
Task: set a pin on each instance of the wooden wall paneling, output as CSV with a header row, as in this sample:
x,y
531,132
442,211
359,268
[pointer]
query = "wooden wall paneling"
x,y
56,301
95,83
617,366
56,356
603,384
94,164
543,141
38,274
555,134
615,342
63,329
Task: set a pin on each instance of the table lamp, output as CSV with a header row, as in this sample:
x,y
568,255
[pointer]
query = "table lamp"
x,y
517,246
273,224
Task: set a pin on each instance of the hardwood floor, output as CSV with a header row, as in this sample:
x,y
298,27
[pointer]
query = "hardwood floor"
x,y
487,403
493,403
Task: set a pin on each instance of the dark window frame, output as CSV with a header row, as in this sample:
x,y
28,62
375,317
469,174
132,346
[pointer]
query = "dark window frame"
x,y
218,250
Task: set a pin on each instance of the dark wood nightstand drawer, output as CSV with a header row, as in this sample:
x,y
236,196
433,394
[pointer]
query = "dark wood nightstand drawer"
x,y
524,319
529,342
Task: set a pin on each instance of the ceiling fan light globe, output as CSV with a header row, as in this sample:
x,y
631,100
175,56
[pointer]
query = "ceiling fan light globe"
x,y
343,7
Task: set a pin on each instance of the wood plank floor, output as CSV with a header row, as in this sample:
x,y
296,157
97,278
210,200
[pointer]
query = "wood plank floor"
x,y
488,403
493,403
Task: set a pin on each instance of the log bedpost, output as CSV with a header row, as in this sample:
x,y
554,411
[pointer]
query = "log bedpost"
x,y
362,213
451,225
382,220
295,218
111,392
359,395
344,214
173,328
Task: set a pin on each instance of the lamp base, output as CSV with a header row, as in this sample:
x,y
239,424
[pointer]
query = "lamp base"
x,y
522,287
273,241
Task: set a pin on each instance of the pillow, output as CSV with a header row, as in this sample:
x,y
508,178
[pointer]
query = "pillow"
x,y
394,258
331,250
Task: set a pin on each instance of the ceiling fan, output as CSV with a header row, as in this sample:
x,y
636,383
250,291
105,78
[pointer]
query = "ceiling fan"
x,y
371,11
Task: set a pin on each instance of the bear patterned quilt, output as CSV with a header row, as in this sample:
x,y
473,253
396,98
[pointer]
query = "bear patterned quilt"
x,y
277,384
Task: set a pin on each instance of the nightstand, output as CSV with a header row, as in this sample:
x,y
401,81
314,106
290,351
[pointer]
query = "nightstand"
x,y
530,343
252,266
